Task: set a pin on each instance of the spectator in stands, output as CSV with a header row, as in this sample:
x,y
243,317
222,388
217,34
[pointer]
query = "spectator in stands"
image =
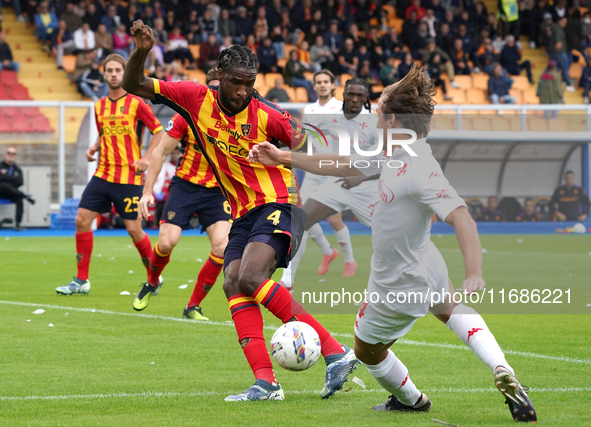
x,y
226,43
277,93
311,34
479,43
226,25
569,201
509,16
63,44
559,10
498,87
433,69
123,43
450,19
574,35
278,41
261,26
558,52
84,38
546,30
431,22
149,17
169,21
480,15
11,178
208,53
388,72
92,17
491,213
304,54
488,57
405,66
510,57
445,63
175,74
444,39
333,39
363,14
267,58
111,19
364,74
45,22
191,29
178,48
392,44
467,42
321,56
84,61
492,26
586,29
160,35
294,75
410,28
585,81
73,21
419,41
347,58
208,26
416,7
243,24
92,83
131,14
529,214
378,59
6,60
460,58
550,89
274,13
104,41
159,72
251,43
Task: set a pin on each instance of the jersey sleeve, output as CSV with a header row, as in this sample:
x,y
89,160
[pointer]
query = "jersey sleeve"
x,y
283,128
180,96
430,188
177,127
369,165
147,117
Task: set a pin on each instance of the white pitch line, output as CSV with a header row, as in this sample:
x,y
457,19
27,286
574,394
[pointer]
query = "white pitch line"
x,y
402,341
552,254
287,392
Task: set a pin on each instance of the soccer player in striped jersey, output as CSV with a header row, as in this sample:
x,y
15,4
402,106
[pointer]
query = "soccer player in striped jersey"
x,y
120,120
193,190
268,220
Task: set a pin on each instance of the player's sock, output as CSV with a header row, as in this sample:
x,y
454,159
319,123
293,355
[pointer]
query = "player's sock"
x,y
286,276
158,261
144,247
289,273
316,233
471,328
248,321
84,243
344,239
205,280
393,376
279,301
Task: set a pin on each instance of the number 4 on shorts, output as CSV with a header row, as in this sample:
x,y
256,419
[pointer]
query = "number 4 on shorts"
x,y
275,217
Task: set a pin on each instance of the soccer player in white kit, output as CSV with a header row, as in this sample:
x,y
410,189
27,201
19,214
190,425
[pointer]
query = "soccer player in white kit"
x,y
404,258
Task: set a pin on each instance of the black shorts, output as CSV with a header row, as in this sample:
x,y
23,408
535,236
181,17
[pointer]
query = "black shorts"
x,y
280,225
186,199
99,194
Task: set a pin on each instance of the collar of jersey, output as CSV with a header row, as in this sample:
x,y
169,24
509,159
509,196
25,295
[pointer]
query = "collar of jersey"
x,y
115,100
228,113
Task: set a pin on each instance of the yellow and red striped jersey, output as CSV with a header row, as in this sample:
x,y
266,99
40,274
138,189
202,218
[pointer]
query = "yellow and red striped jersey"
x,y
193,166
120,123
226,138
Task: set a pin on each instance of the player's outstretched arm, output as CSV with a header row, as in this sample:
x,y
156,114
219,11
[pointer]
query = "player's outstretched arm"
x,y
319,164
163,149
469,242
93,149
134,80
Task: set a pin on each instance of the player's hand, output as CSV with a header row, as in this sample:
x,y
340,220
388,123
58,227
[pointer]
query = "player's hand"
x,y
560,216
265,153
141,165
582,217
351,181
147,199
473,284
90,154
143,35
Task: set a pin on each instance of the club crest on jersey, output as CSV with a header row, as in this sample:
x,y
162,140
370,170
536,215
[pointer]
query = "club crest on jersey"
x,y
171,215
122,109
245,129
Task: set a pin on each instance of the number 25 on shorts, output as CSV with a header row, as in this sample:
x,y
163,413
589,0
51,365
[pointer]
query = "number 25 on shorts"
x,y
135,201
275,217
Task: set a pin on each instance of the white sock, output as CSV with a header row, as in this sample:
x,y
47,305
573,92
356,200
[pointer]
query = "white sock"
x,y
289,273
393,376
316,233
344,239
471,328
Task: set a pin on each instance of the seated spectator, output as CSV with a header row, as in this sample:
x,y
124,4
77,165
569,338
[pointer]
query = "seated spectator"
x,y
467,42
353,34
480,15
277,93
123,43
73,21
536,17
365,75
84,38
178,48
6,60
431,22
226,25
569,201
445,61
226,43
131,14
267,58
510,57
460,58
160,72
208,53
261,26
304,53
363,55
388,72
294,75
405,66
251,42
278,41
92,83
479,40
84,61
170,21
373,39
419,41
63,43
438,10
410,28
208,26
11,178
111,19
104,41
391,43
586,29
492,26
433,69
321,56
558,50
243,25
451,20
550,89
175,74
45,22
529,213
491,213
488,56
378,59
211,78
444,38
498,87
585,81
333,39
416,7
347,58
465,20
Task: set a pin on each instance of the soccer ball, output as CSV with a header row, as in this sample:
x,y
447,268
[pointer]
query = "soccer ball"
x,y
295,346
579,228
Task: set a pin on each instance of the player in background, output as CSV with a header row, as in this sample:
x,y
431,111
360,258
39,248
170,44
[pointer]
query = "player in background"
x,y
120,119
193,190
268,220
314,114
404,257
330,196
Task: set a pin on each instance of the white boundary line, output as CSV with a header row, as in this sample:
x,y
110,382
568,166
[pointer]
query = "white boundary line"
x,y
271,327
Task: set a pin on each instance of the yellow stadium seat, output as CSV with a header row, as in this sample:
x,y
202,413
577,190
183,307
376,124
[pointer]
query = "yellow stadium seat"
x,y
345,77
260,84
458,95
195,51
576,70
518,94
289,48
199,75
465,82
301,94
271,77
290,92
519,82
390,11
476,96
480,81
69,63
396,23
308,75
281,62
530,96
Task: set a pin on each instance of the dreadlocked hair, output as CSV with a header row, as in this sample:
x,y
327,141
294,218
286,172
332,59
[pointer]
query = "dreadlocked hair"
x,y
411,100
361,82
237,56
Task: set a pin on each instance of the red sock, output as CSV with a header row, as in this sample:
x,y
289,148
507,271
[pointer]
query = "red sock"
x,y
249,327
279,301
206,279
144,247
83,251
158,261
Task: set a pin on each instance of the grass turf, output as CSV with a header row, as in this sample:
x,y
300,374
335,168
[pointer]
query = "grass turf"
x,y
114,367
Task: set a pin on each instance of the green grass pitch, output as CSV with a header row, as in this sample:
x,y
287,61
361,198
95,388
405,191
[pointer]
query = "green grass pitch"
x,y
102,364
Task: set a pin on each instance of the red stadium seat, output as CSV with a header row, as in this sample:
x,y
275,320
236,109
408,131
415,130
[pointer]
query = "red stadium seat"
x,y
5,125
4,92
22,124
18,91
8,78
32,112
41,124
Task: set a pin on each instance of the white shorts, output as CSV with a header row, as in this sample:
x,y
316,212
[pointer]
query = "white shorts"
x,y
310,185
384,317
361,199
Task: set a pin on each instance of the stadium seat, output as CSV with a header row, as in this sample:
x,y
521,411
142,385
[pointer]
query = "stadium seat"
x,y
518,94
198,75
281,62
41,124
543,208
21,124
390,11
520,82
345,77
510,207
530,96
6,126
28,111
465,82
4,94
308,75
261,85
458,95
480,81
288,48
301,94
271,77
69,63
291,93
476,96
396,23
8,78
195,51
576,70
18,91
